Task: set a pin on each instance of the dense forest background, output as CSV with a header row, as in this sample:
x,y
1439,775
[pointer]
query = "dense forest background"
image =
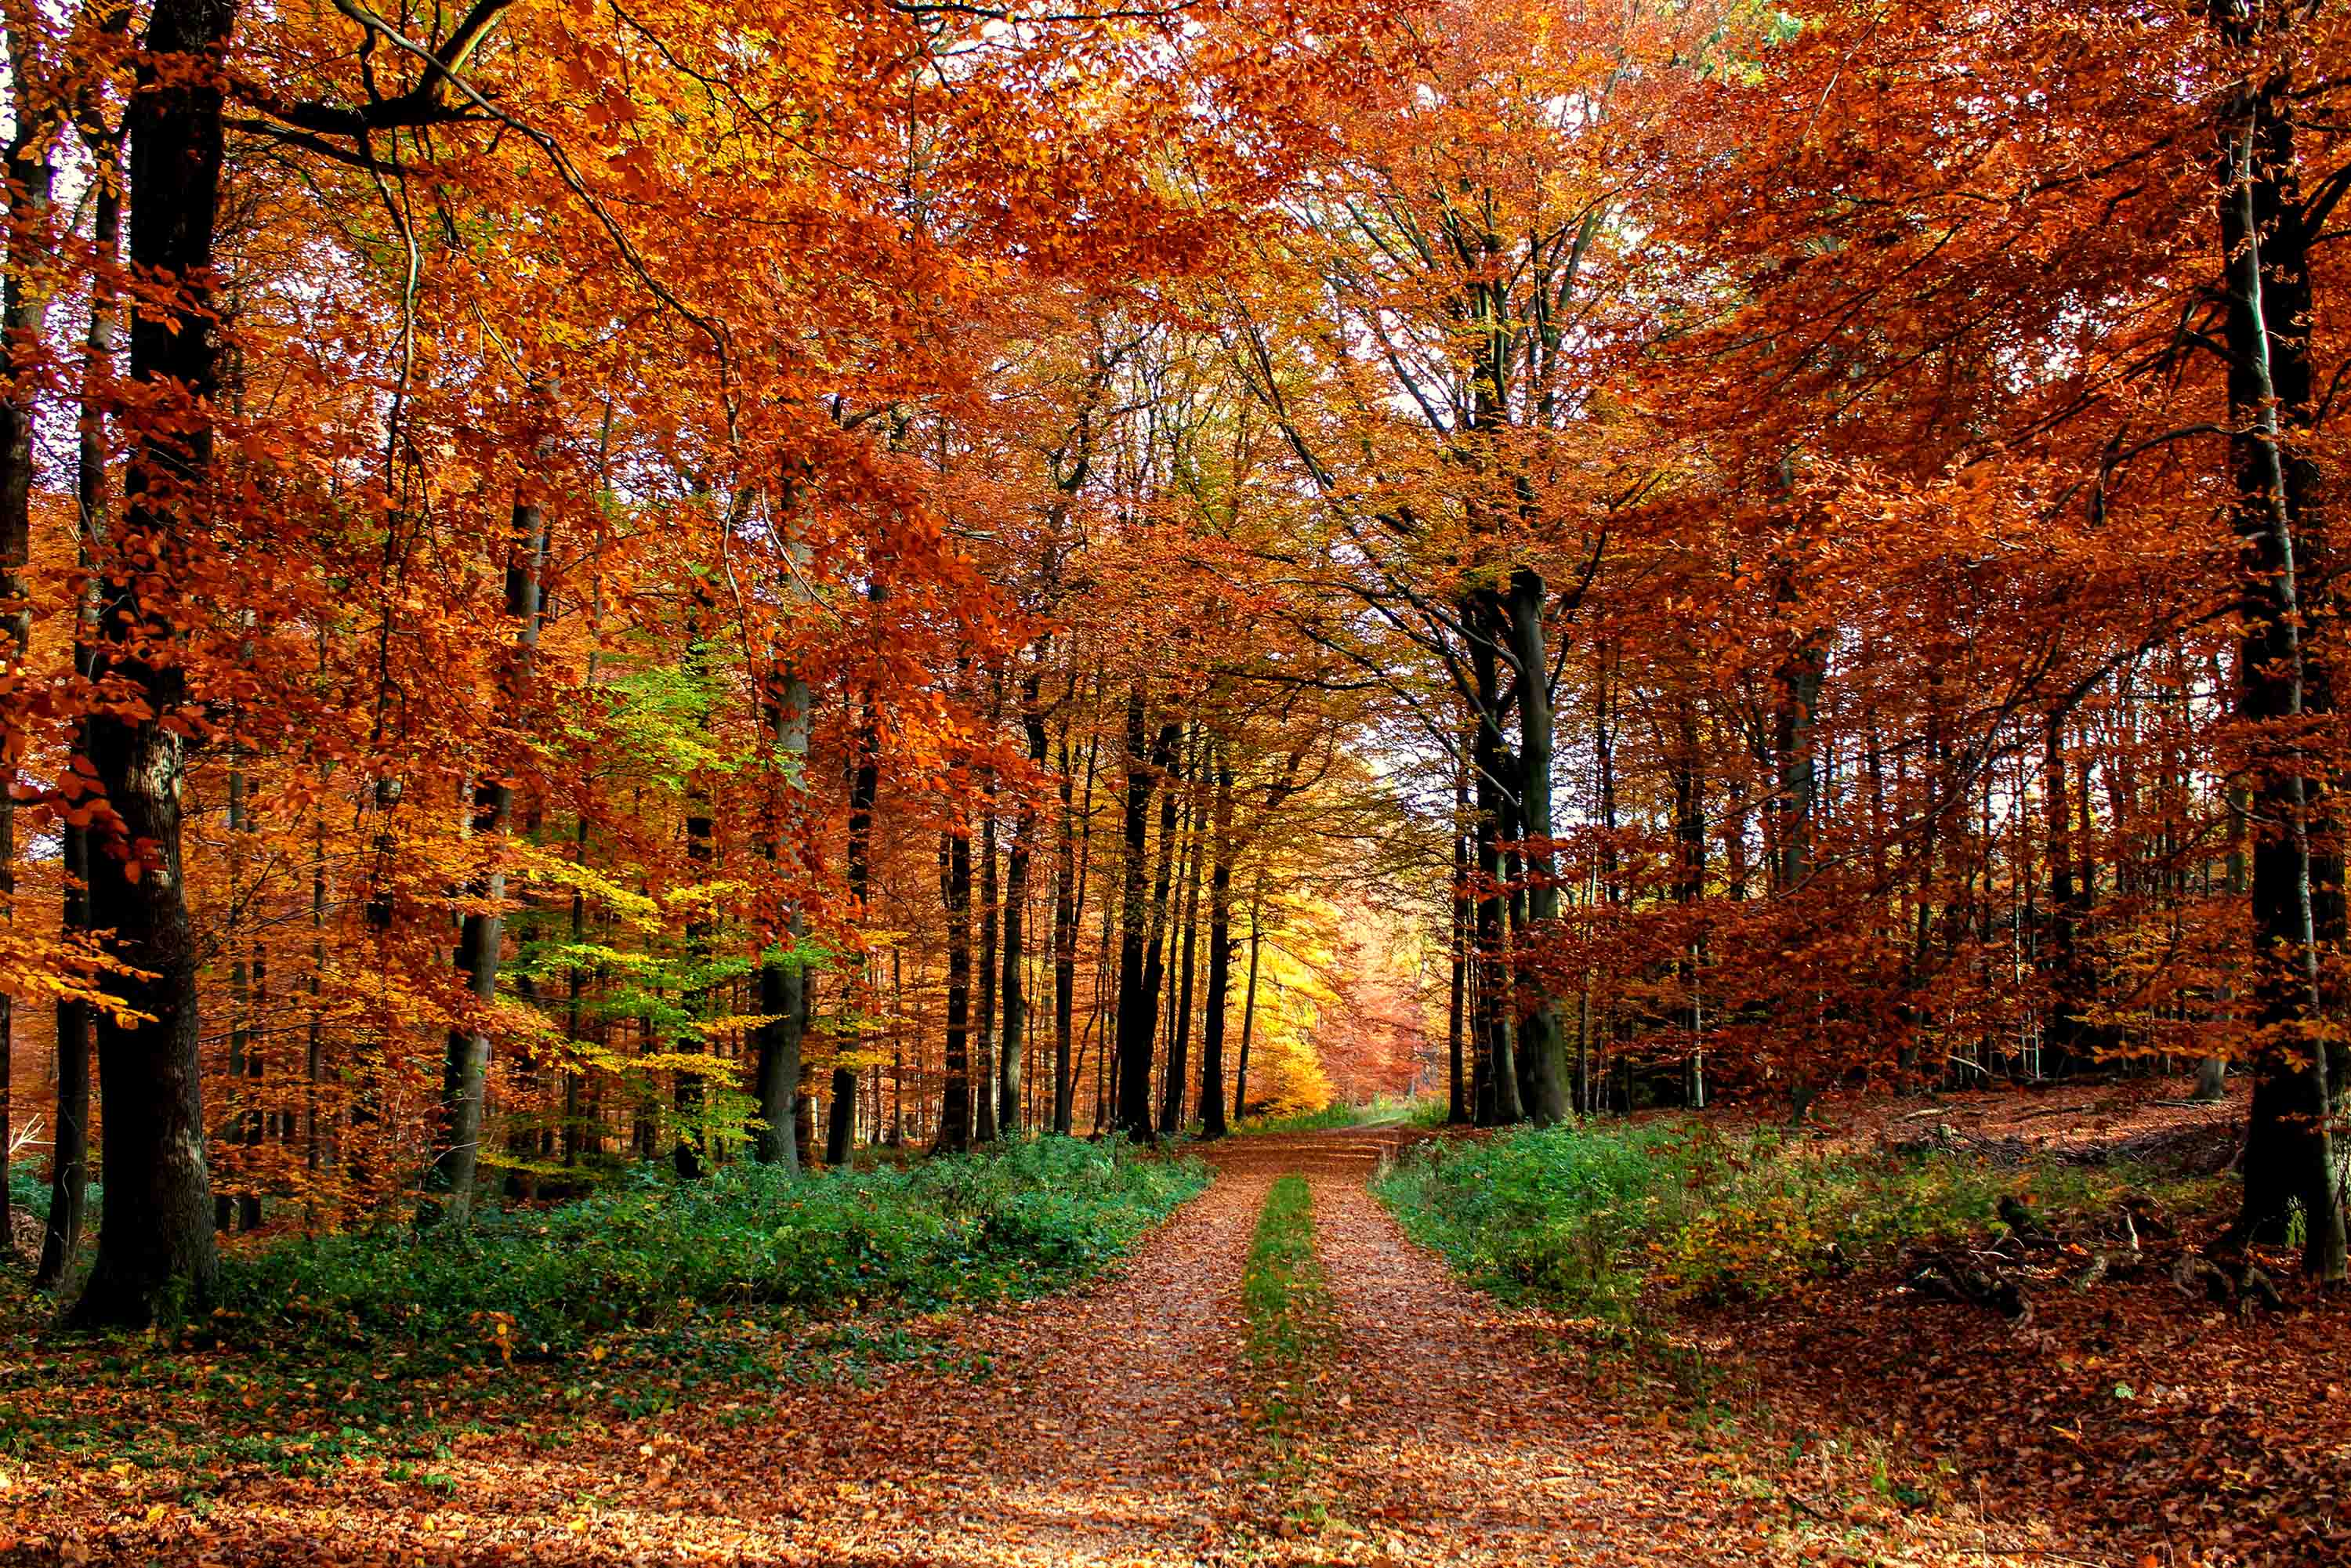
x,y
596,585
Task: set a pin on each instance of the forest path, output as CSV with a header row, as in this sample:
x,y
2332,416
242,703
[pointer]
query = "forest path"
x,y
1465,1439
1112,1431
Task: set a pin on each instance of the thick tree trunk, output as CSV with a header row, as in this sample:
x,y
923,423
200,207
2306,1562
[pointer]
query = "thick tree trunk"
x,y
1494,1001
156,1238
2297,864
1542,1041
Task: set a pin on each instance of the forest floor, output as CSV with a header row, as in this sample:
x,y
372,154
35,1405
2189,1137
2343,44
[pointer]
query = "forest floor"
x,y
1124,1425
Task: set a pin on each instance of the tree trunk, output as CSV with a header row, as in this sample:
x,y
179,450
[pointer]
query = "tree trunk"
x,y
1179,1057
156,1238
783,977
1494,1001
983,1077
1011,1054
1542,1041
1248,1007
1155,968
864,781
465,1070
69,1150
955,894
2298,866
1220,954
1137,1012
1067,889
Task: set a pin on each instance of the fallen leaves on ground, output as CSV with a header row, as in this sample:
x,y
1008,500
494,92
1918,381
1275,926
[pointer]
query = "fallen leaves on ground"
x,y
1108,1428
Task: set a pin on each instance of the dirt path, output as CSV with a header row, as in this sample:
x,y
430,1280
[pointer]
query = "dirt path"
x,y
1111,1432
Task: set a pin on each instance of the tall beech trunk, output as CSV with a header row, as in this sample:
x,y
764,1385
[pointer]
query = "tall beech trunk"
x,y
864,779
1179,1057
983,1075
2297,864
1155,966
955,894
1068,889
1011,1054
783,978
156,1236
1137,1012
465,1068
1494,1001
69,1149
1542,1041
1220,952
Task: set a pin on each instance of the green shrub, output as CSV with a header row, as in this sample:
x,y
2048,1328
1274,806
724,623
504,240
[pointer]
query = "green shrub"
x,y
28,1190
1019,1221
1597,1218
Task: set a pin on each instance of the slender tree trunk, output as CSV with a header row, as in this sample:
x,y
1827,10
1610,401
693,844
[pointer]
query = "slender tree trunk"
x,y
1249,1007
156,1234
1067,887
864,781
1155,970
1012,1052
70,1151
1221,954
783,978
983,1080
465,1071
1179,1057
954,892
1137,1010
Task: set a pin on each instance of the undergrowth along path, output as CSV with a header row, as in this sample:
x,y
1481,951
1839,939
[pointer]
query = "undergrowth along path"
x,y
1118,1427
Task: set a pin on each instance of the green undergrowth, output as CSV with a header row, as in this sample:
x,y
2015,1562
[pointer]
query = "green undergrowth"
x,y
388,1348
1605,1218
1016,1222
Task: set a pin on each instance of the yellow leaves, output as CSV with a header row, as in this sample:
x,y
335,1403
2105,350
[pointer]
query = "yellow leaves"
x,y
498,1331
544,865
